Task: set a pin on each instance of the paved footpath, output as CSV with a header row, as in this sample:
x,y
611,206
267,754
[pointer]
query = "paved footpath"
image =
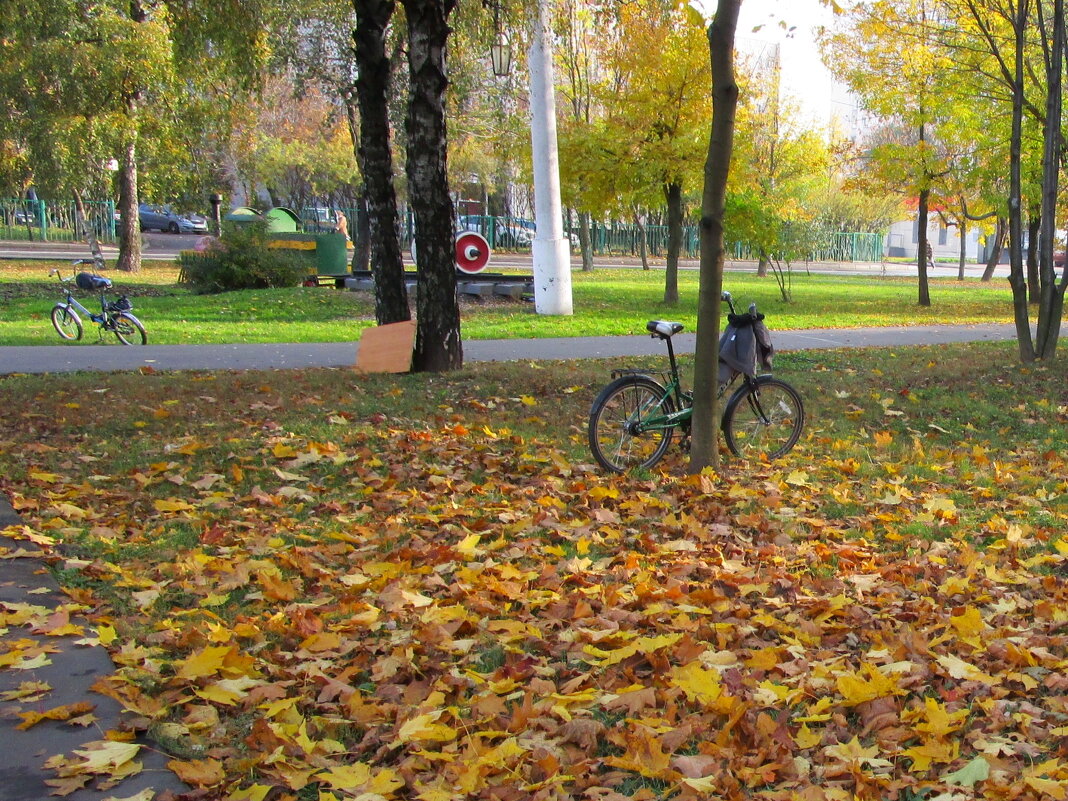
x,y
111,357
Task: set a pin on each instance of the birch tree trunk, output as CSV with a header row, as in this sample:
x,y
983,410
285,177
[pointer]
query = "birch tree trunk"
x,y
376,159
704,446
437,342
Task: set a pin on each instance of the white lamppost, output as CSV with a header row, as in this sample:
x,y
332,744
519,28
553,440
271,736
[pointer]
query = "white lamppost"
x,y
551,249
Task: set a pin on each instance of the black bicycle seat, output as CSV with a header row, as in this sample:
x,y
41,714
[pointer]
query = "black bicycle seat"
x,y
91,281
663,328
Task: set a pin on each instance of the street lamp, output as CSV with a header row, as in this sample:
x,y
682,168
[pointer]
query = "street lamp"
x,y
501,55
501,49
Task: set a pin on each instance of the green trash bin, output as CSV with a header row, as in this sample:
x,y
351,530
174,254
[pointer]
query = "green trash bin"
x,y
332,254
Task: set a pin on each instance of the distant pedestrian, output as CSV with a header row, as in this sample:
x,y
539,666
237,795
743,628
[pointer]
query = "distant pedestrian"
x,y
930,257
342,226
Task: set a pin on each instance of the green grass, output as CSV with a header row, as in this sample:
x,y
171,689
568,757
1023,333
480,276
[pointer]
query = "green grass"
x,y
606,302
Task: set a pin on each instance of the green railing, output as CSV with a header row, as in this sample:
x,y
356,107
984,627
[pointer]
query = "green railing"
x,y
51,221
845,246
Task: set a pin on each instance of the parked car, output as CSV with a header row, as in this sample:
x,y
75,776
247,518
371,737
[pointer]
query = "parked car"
x,y
505,234
162,218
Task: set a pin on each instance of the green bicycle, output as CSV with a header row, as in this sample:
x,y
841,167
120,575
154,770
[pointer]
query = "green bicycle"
x,y
633,420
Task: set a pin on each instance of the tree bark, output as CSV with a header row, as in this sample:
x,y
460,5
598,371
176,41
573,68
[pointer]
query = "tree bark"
x,y
85,229
129,223
995,256
585,242
375,158
1051,296
1016,268
640,239
963,230
704,447
1034,283
921,256
437,343
673,194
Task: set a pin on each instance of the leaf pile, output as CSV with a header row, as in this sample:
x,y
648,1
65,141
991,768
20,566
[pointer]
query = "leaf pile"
x,y
451,609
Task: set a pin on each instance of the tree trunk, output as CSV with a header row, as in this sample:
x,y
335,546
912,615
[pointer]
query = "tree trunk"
x,y
129,224
999,243
642,241
361,252
585,242
1034,283
921,256
437,343
85,230
963,230
762,267
1016,268
376,159
704,447
673,193
1051,300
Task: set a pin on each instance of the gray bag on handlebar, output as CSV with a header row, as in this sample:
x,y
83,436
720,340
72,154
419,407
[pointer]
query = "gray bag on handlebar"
x,y
745,341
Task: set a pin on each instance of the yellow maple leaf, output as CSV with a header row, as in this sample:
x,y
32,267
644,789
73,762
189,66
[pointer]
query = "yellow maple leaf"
x,y
807,738
206,662
968,623
106,634
645,755
171,505
959,669
425,727
255,792
1057,790
103,756
346,777
854,753
942,507
322,641
940,722
198,772
944,751
856,689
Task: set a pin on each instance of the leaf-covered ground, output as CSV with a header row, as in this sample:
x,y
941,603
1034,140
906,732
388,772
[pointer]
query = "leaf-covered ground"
x,y
321,587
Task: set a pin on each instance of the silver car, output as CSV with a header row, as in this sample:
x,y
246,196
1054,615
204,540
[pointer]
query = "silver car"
x,y
162,218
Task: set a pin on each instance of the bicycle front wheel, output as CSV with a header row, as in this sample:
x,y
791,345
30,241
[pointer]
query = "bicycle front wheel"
x,y
66,322
623,433
129,329
763,419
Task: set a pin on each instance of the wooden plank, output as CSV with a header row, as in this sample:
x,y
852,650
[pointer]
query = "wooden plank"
x,y
386,348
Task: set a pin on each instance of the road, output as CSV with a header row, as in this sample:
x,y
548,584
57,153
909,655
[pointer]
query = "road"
x,y
168,246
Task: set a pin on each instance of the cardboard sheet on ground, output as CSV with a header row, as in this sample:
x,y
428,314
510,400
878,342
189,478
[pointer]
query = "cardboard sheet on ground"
x,y
386,348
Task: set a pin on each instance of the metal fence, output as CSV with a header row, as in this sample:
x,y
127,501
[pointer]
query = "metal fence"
x,y
51,221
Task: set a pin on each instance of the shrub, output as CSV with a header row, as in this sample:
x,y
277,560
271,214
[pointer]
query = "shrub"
x,y
242,259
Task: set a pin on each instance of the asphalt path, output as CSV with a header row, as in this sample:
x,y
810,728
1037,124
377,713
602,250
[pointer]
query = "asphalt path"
x,y
62,358
66,358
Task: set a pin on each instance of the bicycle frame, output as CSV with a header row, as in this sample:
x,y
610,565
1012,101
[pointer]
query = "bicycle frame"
x,y
94,316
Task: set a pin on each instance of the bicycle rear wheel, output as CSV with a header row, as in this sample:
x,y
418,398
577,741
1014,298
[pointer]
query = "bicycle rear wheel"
x,y
617,439
763,419
66,322
129,329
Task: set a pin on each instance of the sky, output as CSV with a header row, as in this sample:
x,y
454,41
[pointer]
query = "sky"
x,y
803,77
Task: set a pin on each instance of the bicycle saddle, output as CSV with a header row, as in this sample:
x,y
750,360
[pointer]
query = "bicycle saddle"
x,y
90,281
663,328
